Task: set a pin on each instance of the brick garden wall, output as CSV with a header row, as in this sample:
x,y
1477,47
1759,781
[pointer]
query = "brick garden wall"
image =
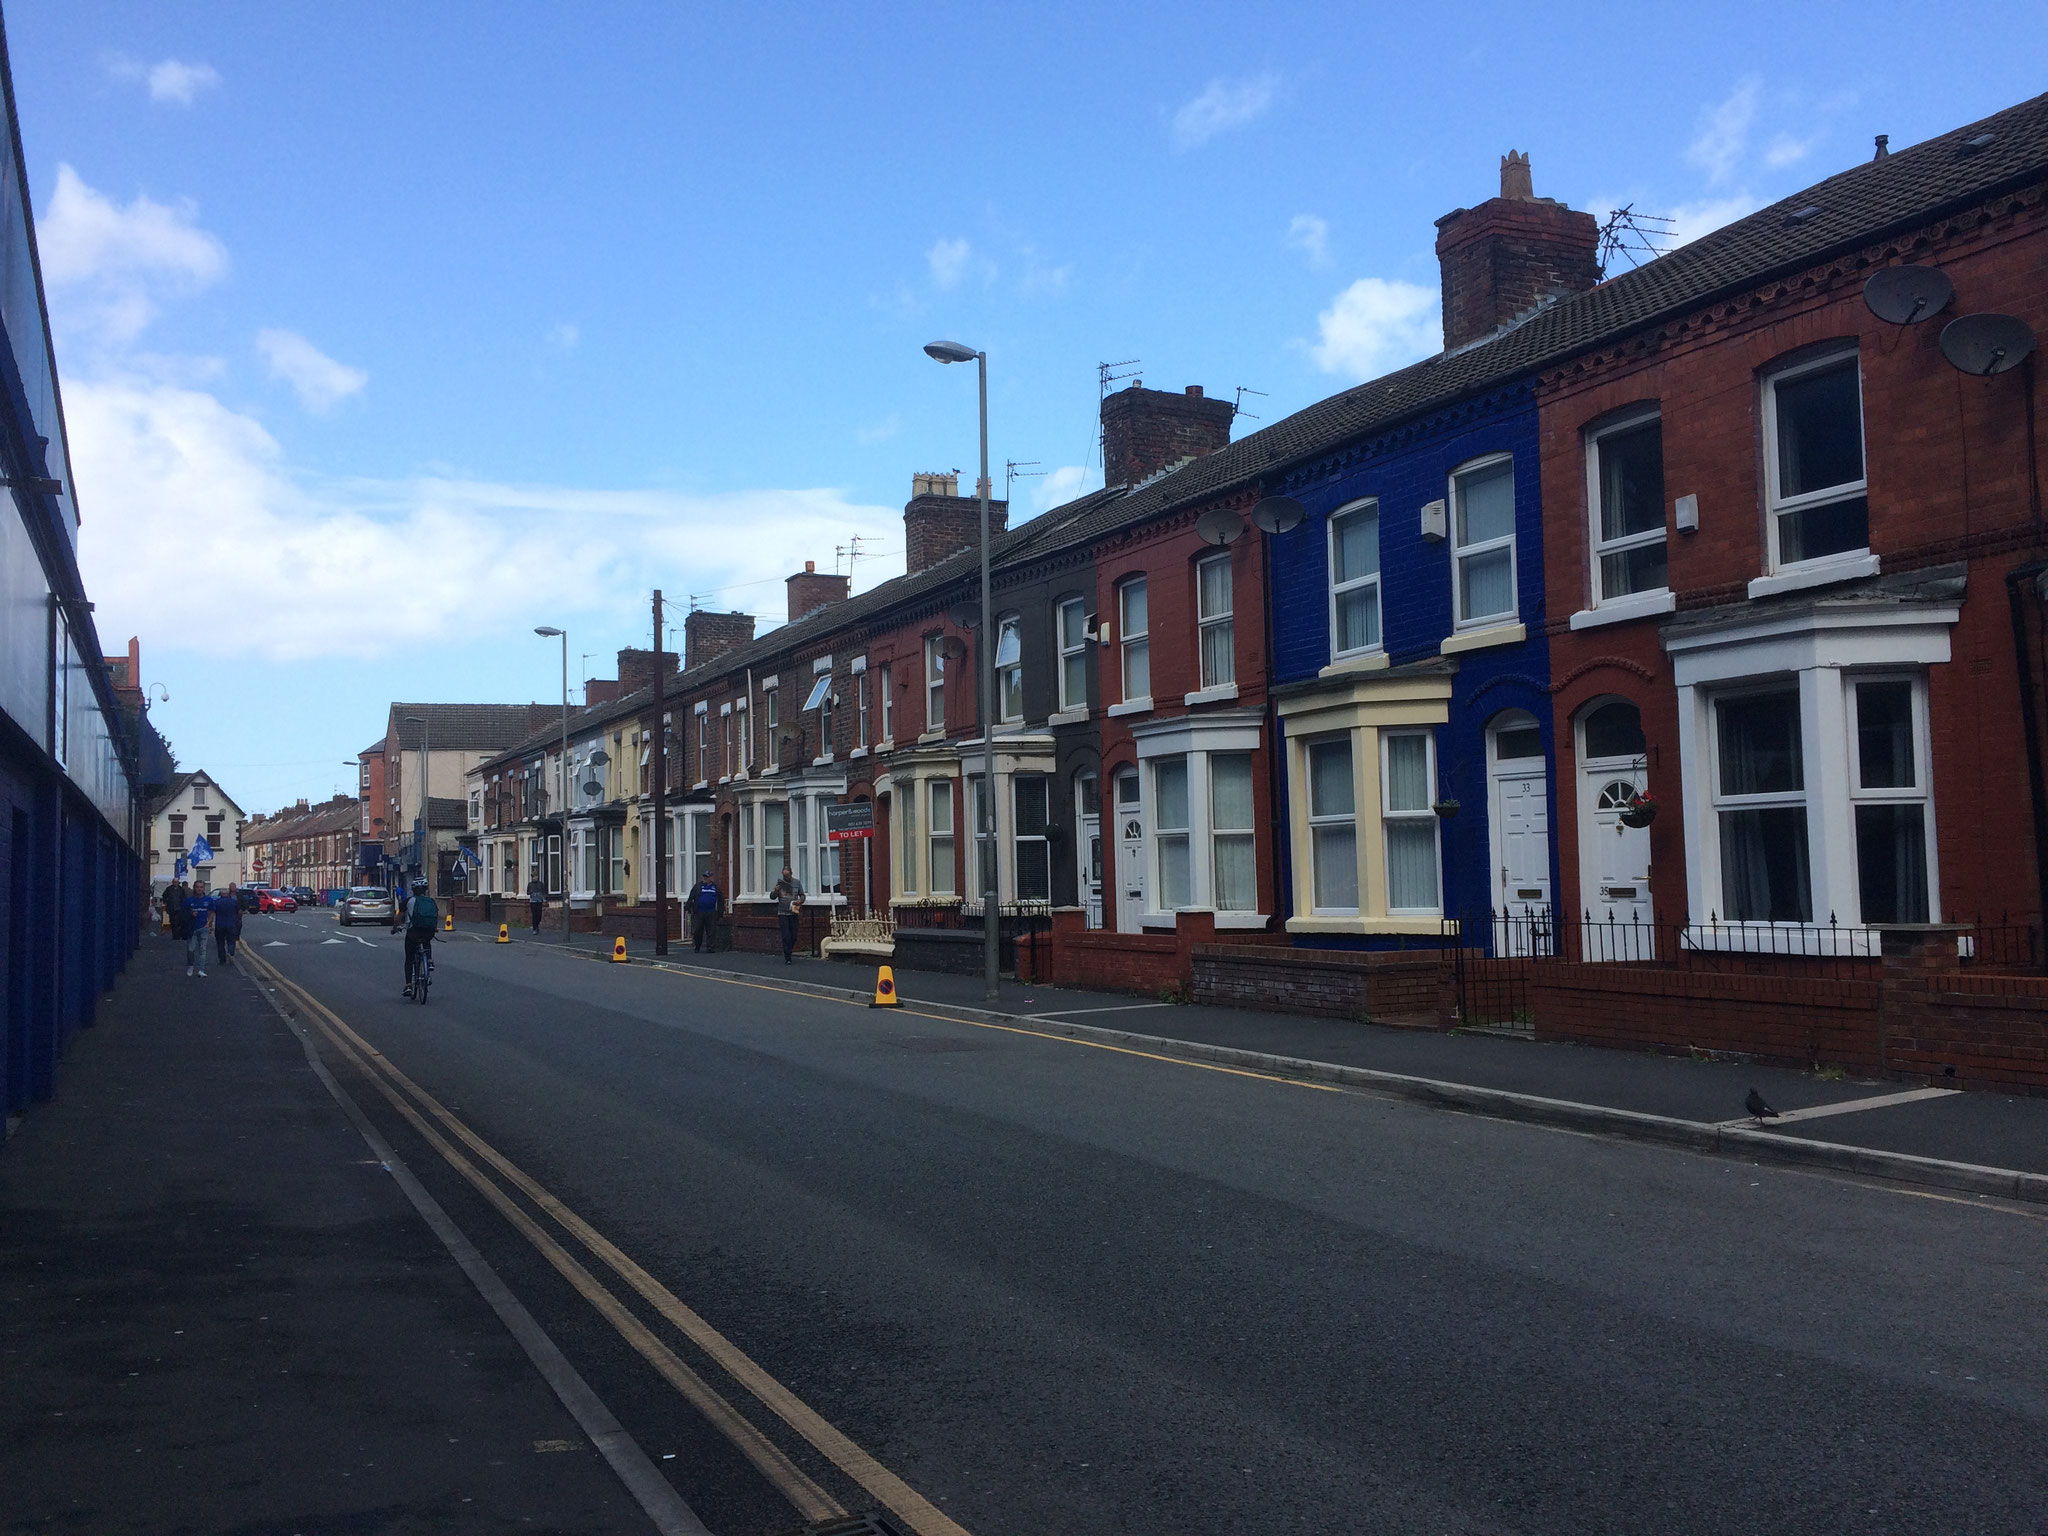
x,y
1381,986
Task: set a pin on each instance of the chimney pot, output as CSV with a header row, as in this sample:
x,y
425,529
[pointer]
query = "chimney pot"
x,y
1515,183
810,566
1884,146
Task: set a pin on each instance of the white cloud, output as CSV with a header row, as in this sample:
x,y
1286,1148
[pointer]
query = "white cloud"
x,y
1223,105
171,80
107,264
564,337
1062,485
1691,220
1377,324
317,379
953,260
1723,133
1311,236
180,493
1786,150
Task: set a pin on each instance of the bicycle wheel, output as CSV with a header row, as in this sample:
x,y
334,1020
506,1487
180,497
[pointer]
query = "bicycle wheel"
x,y
419,985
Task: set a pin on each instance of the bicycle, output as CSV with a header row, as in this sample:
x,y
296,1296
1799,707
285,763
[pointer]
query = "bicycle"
x,y
419,971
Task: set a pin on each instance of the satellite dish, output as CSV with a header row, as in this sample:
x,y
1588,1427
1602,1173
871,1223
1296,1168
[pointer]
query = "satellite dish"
x,y
1907,295
952,647
599,758
1279,514
593,788
966,616
1219,526
1985,344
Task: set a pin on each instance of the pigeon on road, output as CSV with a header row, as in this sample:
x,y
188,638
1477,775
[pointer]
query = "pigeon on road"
x,y
1758,1109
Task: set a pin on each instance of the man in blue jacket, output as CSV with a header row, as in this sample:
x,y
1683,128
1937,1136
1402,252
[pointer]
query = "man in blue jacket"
x,y
227,923
199,908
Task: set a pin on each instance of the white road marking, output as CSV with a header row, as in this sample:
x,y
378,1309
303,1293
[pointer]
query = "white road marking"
x,y
275,944
334,941
1851,1106
1064,1013
362,941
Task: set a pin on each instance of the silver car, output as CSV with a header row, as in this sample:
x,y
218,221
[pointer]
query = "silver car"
x,y
364,904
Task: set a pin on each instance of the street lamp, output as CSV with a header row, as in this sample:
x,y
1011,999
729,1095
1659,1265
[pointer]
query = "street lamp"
x,y
954,352
549,632
426,822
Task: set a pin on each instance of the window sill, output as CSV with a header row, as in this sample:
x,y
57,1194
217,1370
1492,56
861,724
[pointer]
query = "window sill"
x,y
1370,661
1129,707
1222,693
1619,610
856,752
887,745
1068,716
930,736
725,779
1484,639
1818,573
1245,920
1158,922
1368,925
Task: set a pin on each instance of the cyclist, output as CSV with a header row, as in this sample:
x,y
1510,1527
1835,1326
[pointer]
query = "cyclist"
x,y
421,918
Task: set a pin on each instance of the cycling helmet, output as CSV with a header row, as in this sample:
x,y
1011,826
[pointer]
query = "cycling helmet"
x,y
419,885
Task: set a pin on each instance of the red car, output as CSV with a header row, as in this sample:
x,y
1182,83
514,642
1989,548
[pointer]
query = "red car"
x,y
275,901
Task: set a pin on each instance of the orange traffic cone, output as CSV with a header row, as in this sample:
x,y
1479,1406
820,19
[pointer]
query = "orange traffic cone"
x,y
619,956
448,923
885,990
504,934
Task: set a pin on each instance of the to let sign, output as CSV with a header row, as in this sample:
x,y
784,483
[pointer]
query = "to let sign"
x,y
843,822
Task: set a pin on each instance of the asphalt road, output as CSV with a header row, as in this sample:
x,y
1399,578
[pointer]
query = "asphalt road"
x,y
1058,1288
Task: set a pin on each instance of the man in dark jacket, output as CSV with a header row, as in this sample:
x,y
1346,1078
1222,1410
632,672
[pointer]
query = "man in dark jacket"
x,y
227,922
536,899
702,905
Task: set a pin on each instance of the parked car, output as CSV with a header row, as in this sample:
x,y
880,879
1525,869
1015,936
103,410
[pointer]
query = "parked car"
x,y
304,895
364,904
276,901
245,897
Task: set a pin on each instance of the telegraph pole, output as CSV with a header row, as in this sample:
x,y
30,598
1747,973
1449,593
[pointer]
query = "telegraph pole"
x,y
659,758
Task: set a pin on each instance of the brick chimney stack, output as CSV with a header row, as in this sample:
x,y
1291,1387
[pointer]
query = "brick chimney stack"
x,y
1511,253
707,634
636,667
938,521
808,591
1147,430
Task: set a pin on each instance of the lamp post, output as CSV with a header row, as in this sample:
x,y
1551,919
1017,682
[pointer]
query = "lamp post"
x,y
548,631
419,842
954,352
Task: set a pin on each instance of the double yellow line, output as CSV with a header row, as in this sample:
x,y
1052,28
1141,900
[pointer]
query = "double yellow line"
x,y
418,1107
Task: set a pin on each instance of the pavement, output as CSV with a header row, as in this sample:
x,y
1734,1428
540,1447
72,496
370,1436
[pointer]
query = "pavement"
x,y
221,1314
1980,1129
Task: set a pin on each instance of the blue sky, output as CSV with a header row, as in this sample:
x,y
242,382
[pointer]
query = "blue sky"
x,y
390,331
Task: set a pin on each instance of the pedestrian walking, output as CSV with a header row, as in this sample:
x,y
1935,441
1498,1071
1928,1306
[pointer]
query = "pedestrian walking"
x,y
199,910
399,898
227,923
703,904
536,899
177,921
789,901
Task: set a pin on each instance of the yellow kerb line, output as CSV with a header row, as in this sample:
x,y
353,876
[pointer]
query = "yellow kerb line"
x,y
895,1494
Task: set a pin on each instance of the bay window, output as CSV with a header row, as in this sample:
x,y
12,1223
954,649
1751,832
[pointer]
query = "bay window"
x,y
1483,542
1170,832
1355,580
1760,805
1813,459
984,861
1134,635
1235,885
1031,816
941,838
1627,473
1407,777
1213,621
774,842
1333,826
905,830
1889,791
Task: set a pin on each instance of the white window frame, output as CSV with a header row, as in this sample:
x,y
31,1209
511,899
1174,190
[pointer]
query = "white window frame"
x,y
1595,497
1921,793
934,685
1207,624
1010,674
904,829
1133,642
1390,818
1219,835
703,744
1366,507
1461,552
1182,835
1802,799
1777,506
860,700
934,837
1074,652
1319,819
887,690
1018,839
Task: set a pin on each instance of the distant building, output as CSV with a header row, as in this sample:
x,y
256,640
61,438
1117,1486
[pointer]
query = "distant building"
x,y
192,807
306,845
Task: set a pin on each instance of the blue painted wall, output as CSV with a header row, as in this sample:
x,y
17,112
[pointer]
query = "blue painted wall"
x,y
1405,469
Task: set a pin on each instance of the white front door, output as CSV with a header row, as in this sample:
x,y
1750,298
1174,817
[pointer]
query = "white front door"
x,y
1614,859
1519,811
1130,853
1089,846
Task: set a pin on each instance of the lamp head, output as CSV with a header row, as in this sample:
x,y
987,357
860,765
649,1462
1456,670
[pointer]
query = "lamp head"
x,y
548,630
950,352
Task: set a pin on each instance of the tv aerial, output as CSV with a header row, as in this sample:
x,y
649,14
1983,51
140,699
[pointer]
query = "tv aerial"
x,y
1279,514
1220,526
1987,344
1908,295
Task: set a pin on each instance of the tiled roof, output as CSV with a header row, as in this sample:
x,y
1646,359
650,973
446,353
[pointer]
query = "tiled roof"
x,y
443,812
462,727
315,821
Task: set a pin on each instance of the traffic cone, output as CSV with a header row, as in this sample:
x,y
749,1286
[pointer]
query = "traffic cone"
x,y
619,950
448,923
885,990
504,934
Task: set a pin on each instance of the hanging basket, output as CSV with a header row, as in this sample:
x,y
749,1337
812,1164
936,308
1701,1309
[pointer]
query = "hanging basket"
x,y
1445,809
1639,812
